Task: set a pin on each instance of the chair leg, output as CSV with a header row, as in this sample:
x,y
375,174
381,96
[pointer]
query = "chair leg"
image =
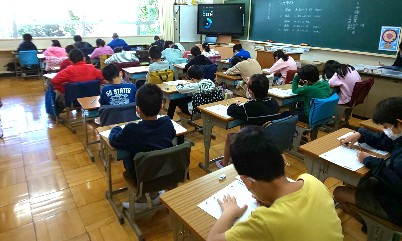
x,y
314,133
294,150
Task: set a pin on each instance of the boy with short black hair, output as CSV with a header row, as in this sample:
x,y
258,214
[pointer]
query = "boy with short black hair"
x,y
155,53
305,206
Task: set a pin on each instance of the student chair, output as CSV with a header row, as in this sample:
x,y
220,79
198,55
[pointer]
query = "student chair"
x,y
282,131
378,229
359,94
290,74
102,59
29,64
76,90
143,56
115,114
209,71
155,171
214,58
120,66
321,112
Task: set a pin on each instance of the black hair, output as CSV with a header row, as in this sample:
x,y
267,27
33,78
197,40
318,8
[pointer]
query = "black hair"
x,y
259,84
56,43
110,72
174,46
205,46
27,37
195,72
156,37
344,69
330,68
118,50
77,38
155,52
309,72
167,43
255,155
70,47
388,111
237,47
195,51
281,55
149,99
76,56
235,59
100,42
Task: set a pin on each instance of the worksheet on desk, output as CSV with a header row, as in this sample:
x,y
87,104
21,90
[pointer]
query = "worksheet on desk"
x,y
236,189
280,92
176,82
221,110
344,157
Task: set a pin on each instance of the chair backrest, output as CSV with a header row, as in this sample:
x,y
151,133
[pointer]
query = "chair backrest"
x,y
162,169
114,114
360,92
290,74
143,56
80,89
28,58
322,110
102,59
282,131
209,71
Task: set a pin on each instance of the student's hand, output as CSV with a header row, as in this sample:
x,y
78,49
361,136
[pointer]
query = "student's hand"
x,y
350,140
361,155
229,205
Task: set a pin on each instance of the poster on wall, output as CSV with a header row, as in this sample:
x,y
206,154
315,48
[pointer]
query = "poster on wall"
x,y
389,38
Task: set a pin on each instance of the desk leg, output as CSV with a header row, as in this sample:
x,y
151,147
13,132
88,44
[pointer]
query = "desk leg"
x,y
208,124
316,167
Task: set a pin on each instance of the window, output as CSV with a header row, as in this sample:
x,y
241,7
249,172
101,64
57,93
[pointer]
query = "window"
x,y
50,18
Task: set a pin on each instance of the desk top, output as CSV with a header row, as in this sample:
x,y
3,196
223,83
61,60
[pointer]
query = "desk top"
x,y
170,86
369,124
89,103
137,69
180,66
282,91
203,108
229,77
182,201
327,143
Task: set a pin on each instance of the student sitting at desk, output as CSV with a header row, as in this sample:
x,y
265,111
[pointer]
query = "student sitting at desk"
x,y
199,84
207,51
256,111
283,63
198,58
65,63
310,87
398,60
100,50
148,134
79,44
155,53
26,43
121,56
302,210
172,54
244,67
54,55
380,191
117,42
239,51
343,76
116,93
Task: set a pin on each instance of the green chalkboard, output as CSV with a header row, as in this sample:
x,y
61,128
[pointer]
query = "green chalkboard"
x,y
341,24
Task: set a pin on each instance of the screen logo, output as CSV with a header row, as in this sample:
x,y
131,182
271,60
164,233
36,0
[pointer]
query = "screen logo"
x,y
207,23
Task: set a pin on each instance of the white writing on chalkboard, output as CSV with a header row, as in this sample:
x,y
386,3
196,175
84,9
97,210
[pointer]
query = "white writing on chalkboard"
x,y
353,20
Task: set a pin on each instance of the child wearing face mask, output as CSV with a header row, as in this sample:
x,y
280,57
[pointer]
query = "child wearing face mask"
x,y
380,191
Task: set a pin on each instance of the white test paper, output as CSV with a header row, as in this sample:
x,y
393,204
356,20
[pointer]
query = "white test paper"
x,y
365,146
176,82
280,92
344,157
221,110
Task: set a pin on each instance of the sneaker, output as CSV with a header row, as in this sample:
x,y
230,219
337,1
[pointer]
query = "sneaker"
x,y
219,164
143,206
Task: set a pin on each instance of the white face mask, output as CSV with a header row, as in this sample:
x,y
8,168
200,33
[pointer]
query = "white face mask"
x,y
391,135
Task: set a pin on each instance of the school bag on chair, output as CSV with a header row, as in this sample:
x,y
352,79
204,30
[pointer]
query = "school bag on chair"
x,y
160,76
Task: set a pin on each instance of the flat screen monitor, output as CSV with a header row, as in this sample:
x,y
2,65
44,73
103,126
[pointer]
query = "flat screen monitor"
x,y
210,39
223,19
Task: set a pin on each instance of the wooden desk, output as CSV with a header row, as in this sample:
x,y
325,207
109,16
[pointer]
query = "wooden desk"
x,y
369,124
266,58
108,153
135,73
178,70
321,168
188,221
89,106
222,64
211,119
229,80
170,92
283,98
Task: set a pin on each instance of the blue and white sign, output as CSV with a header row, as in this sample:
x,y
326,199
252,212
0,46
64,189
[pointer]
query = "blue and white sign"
x,y
389,38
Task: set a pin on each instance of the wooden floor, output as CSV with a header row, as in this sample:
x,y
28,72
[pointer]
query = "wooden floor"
x,y
50,190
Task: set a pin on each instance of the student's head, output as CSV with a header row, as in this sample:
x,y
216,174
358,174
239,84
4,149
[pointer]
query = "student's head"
x,y
258,86
195,72
330,68
195,51
234,60
155,52
70,47
27,37
115,35
149,100
110,72
56,43
237,48
388,113
254,155
77,38
168,44
100,42
118,50
174,46
206,47
279,54
309,72
76,56
156,38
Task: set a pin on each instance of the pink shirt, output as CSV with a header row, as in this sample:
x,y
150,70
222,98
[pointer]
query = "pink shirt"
x,y
101,50
346,85
55,52
282,67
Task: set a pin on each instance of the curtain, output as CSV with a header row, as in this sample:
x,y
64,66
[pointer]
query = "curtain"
x,y
166,19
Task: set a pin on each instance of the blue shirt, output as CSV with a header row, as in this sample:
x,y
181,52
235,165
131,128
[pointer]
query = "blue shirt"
x,y
243,53
117,94
117,42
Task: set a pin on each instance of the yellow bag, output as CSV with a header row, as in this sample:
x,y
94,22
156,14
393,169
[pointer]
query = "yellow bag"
x,y
160,76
